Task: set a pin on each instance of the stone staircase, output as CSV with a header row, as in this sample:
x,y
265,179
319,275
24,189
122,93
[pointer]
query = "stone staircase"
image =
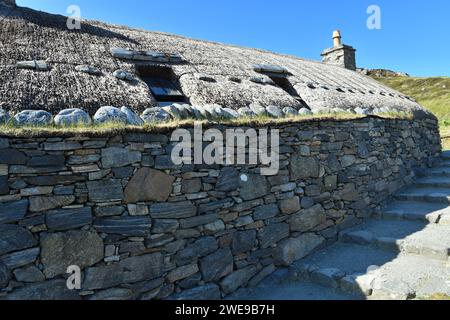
x,y
402,253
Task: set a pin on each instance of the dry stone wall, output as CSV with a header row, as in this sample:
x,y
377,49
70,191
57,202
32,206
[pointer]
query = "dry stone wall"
x,y
140,227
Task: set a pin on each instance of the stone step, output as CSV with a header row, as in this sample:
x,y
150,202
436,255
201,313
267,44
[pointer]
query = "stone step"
x,y
446,155
434,195
438,171
433,182
369,272
408,277
445,163
343,267
409,237
414,211
284,285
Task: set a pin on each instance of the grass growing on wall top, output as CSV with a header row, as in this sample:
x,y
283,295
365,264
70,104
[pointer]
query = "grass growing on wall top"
x,y
115,128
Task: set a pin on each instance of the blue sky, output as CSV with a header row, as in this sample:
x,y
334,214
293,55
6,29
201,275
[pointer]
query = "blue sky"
x,y
415,35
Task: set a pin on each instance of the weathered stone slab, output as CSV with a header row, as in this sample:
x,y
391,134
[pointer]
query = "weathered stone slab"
x,y
164,162
105,190
35,191
4,143
199,248
307,219
198,220
145,138
289,206
123,172
304,167
109,211
237,279
11,212
61,250
228,180
266,212
165,226
16,169
21,258
49,290
327,277
350,193
5,275
29,274
62,146
14,238
215,205
119,157
243,241
217,265
294,249
40,204
156,241
191,186
130,270
206,292
253,186
113,294
54,180
66,219
4,187
128,226
184,209
148,185
12,156
267,271
83,159
272,234
46,161
182,272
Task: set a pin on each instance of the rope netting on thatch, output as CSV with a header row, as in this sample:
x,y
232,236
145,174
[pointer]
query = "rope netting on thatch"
x,y
27,35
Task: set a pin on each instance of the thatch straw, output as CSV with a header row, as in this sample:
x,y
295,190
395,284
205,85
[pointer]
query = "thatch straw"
x,y
30,35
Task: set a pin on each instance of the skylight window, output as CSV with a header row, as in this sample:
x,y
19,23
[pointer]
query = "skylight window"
x,y
279,75
162,83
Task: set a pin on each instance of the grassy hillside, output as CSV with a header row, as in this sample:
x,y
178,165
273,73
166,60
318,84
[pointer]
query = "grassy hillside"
x,y
432,93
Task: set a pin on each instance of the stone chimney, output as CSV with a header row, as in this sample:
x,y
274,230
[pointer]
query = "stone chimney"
x,y
341,54
10,3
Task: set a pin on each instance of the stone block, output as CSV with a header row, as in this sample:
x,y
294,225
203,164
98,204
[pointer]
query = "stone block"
x,y
272,234
15,238
237,279
105,190
304,167
217,265
294,249
61,250
148,185
11,212
173,210
66,219
115,157
130,270
127,226
307,219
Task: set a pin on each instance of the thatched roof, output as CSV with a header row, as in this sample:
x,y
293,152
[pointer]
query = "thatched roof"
x,y
31,35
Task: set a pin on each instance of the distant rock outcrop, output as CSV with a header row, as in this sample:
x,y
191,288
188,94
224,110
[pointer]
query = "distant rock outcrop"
x,y
382,73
